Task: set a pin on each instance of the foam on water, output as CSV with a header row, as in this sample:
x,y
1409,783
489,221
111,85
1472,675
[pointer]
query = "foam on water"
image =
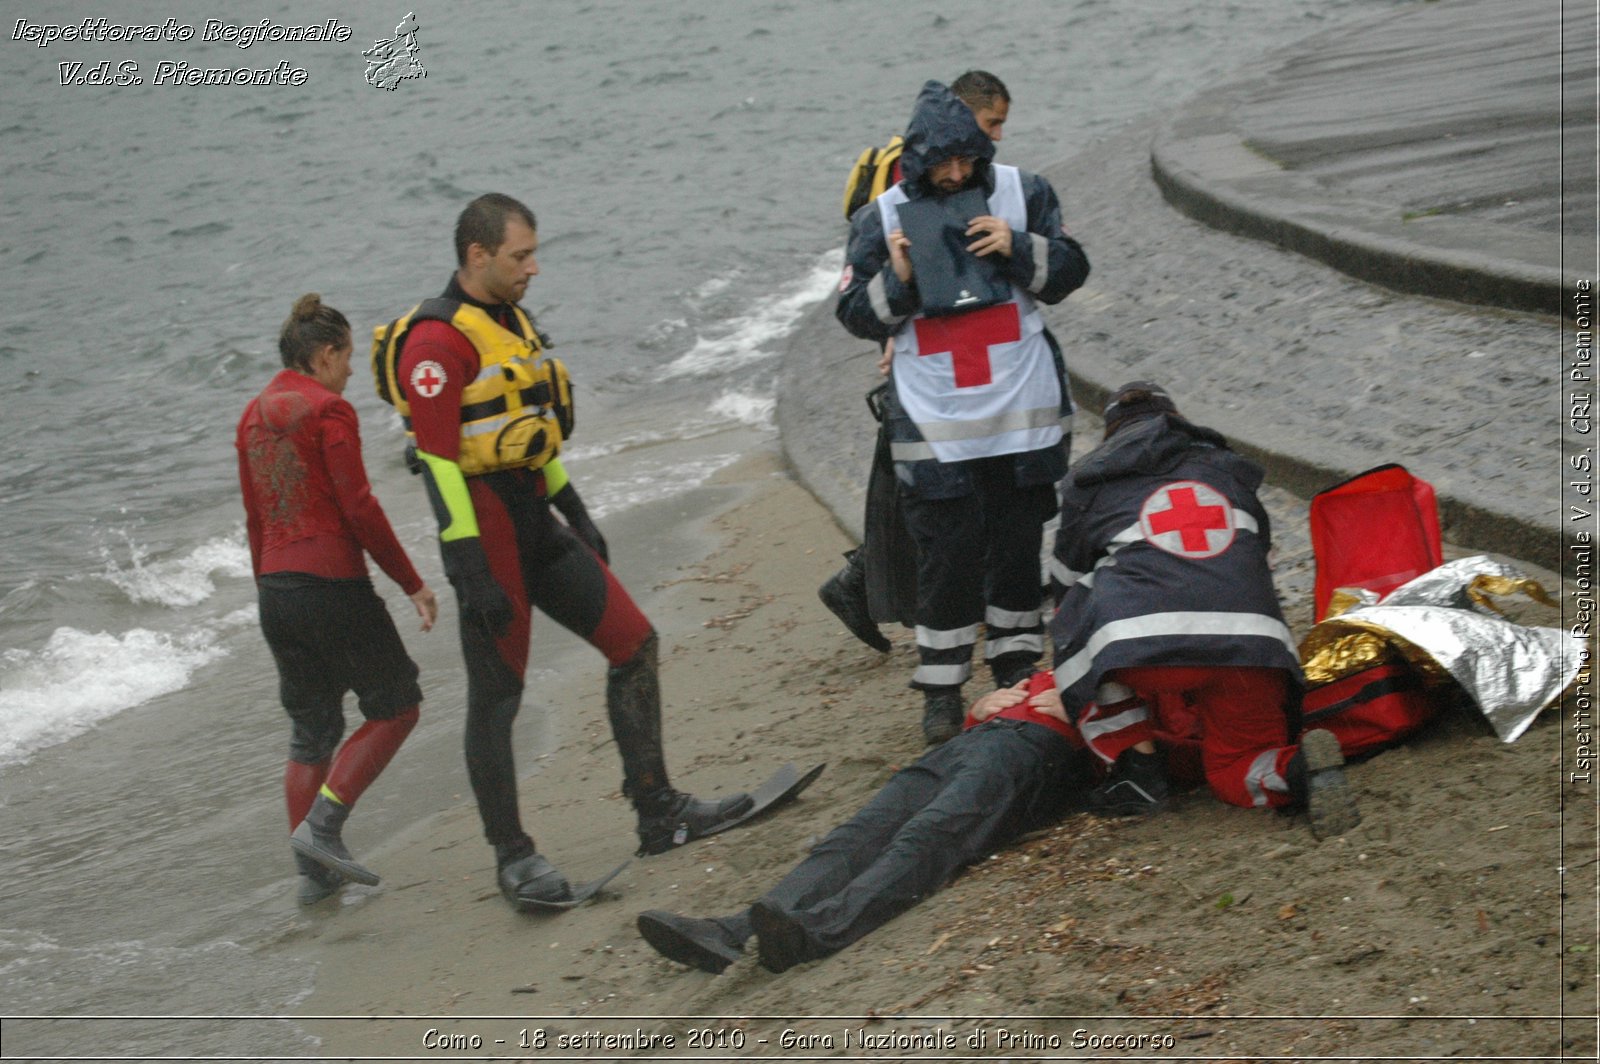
x,y
177,582
746,407
713,286
649,480
752,338
140,979
78,679
695,429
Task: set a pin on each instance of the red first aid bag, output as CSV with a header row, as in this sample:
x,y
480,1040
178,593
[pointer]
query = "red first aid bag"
x,y
1370,709
1376,530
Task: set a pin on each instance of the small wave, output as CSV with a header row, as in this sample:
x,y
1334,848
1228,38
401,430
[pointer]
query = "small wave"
x,y
177,582
204,229
663,336
81,678
695,429
742,406
746,407
243,617
650,481
712,286
752,337
153,980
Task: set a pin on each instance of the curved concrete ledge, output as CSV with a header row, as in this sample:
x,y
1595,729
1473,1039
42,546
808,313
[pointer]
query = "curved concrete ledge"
x,y
1205,169
1440,150
823,423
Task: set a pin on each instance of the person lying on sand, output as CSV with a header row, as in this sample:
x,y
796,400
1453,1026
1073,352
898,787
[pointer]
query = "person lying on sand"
x,y
1017,764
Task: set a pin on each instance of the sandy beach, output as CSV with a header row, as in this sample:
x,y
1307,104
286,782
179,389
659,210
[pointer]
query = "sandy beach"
x,y
1434,928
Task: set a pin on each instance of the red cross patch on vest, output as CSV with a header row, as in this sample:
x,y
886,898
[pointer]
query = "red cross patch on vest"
x,y
1189,519
427,378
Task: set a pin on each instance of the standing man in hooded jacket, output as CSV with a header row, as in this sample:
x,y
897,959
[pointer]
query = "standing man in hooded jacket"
x,y
882,560
977,403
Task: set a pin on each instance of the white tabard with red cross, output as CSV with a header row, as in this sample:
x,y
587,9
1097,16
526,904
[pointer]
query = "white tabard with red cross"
x,y
981,383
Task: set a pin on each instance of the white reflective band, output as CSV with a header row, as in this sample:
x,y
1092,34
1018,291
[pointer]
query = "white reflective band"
x,y
948,639
911,451
485,426
880,301
942,675
1068,577
1093,724
1041,262
1263,776
1112,692
1178,623
995,617
976,428
1061,574
1030,641
1132,534
1066,423
1244,522
1093,728
488,373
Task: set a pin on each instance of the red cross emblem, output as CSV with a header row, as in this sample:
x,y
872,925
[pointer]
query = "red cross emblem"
x,y
967,338
427,378
1189,519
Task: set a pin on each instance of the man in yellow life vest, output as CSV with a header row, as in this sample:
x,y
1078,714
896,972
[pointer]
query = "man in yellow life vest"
x,y
487,410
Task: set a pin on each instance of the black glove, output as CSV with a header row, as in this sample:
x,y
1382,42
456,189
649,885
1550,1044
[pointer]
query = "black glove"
x,y
566,500
480,598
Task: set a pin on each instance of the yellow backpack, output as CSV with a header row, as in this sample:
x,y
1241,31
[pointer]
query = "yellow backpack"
x,y
871,176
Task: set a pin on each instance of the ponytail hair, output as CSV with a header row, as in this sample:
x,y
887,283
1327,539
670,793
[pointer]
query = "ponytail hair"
x,y
312,324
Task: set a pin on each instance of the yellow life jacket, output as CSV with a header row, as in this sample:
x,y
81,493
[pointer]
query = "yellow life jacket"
x,y
515,413
872,175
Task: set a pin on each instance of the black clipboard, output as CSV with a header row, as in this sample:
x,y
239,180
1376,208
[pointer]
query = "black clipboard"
x,y
951,279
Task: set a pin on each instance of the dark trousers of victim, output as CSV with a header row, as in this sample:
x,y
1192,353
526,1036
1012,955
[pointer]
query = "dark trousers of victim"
x,y
954,806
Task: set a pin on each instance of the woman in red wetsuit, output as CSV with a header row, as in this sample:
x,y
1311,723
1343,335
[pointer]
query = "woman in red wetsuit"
x,y
311,518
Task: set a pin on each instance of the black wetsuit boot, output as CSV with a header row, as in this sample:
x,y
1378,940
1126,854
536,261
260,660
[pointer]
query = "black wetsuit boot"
x,y
319,838
526,876
667,817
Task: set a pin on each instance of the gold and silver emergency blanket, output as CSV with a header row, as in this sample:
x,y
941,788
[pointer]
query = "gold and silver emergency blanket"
x,y
1446,625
